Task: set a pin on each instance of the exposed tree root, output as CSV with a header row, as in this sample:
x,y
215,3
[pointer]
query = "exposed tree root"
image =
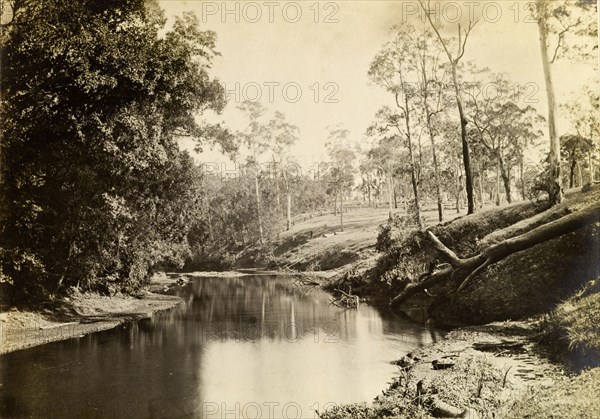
x,y
466,269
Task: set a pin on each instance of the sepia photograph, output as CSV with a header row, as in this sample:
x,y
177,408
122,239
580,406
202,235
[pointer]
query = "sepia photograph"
x,y
310,209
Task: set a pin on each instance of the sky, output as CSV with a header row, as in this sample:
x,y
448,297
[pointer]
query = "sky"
x,y
310,59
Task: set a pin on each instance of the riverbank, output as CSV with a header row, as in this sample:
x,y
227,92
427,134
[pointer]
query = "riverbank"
x,y
547,366
512,369
492,371
78,315
84,313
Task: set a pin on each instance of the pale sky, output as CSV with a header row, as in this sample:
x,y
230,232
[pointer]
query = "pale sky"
x,y
267,46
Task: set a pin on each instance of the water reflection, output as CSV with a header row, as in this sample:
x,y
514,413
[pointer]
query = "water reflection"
x,y
245,346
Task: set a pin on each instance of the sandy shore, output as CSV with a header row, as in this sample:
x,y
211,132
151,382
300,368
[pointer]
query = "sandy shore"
x,y
80,314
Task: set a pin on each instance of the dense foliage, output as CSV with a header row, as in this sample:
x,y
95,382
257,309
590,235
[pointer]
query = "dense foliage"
x,y
95,190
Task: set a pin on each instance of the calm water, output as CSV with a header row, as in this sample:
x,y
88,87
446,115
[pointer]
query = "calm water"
x,y
256,347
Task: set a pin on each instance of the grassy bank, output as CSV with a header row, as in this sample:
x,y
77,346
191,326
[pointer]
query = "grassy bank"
x,y
524,284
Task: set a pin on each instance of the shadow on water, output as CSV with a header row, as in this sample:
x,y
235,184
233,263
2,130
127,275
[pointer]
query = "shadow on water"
x,y
244,346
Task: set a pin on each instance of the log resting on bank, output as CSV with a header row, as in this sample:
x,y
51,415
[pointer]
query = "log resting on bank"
x,y
466,269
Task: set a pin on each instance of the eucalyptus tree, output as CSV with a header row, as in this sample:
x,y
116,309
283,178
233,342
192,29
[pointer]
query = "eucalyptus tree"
x,y
431,89
454,60
584,115
385,158
558,23
283,136
387,120
256,138
575,149
341,172
394,68
366,169
501,126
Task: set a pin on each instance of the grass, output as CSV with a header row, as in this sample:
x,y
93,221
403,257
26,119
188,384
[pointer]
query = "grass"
x,y
472,385
574,397
311,239
572,330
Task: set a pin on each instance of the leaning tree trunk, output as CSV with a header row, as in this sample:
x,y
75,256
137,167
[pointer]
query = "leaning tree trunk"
x,y
555,180
466,269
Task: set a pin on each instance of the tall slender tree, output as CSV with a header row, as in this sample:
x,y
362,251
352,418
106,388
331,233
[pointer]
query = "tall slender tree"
x,y
454,61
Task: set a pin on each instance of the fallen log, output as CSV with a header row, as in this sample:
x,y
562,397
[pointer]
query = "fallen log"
x,y
466,269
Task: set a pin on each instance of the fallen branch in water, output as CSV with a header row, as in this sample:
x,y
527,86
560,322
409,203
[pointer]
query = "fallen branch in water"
x,y
466,269
346,300
305,280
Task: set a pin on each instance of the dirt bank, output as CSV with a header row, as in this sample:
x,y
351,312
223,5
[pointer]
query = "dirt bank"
x,y
78,315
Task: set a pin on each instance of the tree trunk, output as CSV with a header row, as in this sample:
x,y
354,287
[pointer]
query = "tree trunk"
x,y
257,191
436,171
465,144
459,103
497,184
572,173
591,167
390,197
468,268
277,192
288,196
289,209
369,188
505,180
341,211
555,180
458,190
521,166
413,173
481,194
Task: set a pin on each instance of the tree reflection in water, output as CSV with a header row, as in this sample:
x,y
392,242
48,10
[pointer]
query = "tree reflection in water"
x,y
242,342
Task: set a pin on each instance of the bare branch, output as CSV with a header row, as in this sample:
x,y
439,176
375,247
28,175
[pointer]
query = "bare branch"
x,y
437,32
464,42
